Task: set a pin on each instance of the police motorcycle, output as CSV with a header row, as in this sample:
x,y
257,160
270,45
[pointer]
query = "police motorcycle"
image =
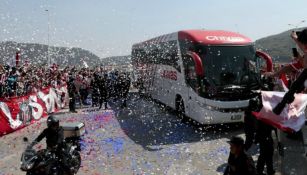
x,y
46,161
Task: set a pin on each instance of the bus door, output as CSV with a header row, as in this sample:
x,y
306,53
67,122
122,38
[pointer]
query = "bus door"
x,y
192,86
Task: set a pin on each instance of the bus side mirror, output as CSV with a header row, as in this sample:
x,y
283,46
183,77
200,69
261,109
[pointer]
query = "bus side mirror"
x,y
268,60
199,69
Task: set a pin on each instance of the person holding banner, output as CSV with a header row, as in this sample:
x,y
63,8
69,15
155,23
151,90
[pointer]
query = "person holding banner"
x,y
300,61
266,144
275,111
300,83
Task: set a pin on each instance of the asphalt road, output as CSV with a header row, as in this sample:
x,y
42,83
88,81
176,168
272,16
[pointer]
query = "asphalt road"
x,y
143,138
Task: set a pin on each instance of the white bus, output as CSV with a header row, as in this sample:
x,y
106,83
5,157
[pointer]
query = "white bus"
x,y
205,75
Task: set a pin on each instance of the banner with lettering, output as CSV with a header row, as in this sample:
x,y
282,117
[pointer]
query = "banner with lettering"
x,y
18,112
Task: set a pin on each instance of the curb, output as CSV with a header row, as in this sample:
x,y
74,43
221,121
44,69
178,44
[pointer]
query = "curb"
x,y
294,160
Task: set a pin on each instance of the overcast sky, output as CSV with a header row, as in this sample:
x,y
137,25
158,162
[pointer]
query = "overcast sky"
x,y
110,27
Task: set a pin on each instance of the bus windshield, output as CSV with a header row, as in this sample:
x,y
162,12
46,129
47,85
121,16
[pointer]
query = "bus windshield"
x,y
229,65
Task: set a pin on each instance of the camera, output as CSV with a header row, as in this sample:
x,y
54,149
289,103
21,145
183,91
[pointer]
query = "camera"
x,y
295,52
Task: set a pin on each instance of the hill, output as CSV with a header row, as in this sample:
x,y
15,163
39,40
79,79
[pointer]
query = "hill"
x,y
116,60
37,54
279,46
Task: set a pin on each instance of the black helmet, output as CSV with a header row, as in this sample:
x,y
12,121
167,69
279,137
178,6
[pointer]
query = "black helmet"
x,y
52,121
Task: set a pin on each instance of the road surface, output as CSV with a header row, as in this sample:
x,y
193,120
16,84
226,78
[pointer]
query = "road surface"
x,y
143,138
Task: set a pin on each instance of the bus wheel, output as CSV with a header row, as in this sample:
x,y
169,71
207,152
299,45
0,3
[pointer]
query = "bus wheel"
x,y
180,110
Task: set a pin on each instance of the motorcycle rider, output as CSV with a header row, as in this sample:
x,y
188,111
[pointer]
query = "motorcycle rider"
x,y
54,134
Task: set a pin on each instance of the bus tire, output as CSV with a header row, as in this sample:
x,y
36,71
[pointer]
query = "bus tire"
x,y
180,110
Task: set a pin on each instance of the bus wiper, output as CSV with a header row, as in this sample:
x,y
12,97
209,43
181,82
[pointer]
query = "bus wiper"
x,y
233,87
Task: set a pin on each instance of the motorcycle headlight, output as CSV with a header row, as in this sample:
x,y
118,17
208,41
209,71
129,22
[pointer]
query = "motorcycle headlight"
x,y
27,166
27,162
30,165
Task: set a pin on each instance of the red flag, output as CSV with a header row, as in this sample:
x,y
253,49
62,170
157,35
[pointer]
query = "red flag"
x,y
17,58
284,80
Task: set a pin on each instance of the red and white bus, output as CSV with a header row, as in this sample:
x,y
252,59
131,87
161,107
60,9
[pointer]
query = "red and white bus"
x,y
207,75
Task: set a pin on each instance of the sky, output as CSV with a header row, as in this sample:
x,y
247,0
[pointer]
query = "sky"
x,y
110,27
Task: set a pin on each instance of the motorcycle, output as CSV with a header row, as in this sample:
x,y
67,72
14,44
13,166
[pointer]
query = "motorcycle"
x,y
39,162
47,162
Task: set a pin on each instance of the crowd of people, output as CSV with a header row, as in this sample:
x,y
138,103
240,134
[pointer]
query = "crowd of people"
x,y
100,84
22,80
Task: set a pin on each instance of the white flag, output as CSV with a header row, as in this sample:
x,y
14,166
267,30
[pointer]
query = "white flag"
x,y
85,64
292,118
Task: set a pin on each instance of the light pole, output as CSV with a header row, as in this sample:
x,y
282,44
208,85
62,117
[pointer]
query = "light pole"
x,y
297,25
48,57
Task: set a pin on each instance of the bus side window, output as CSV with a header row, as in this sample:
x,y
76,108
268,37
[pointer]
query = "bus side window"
x,y
190,73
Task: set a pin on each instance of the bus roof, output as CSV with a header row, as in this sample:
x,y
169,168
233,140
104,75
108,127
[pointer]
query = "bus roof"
x,y
208,37
215,37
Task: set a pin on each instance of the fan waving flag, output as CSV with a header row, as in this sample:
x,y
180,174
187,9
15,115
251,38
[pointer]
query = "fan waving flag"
x,y
292,118
284,82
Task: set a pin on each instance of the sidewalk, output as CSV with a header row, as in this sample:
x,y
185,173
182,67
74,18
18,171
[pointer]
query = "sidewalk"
x,y
294,161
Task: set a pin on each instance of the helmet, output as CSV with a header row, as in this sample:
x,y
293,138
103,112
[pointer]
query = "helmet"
x,y
52,121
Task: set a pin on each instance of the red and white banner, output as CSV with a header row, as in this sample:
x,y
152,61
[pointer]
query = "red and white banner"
x,y
18,112
292,118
